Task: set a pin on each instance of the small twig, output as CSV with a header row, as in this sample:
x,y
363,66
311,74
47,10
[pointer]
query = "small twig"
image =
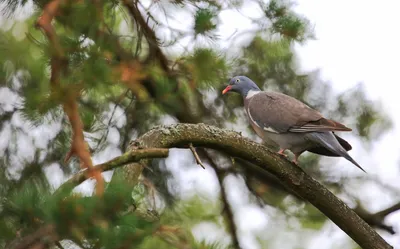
x,y
196,156
117,103
58,244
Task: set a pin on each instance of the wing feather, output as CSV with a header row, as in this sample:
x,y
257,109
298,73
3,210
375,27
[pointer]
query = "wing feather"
x,y
277,112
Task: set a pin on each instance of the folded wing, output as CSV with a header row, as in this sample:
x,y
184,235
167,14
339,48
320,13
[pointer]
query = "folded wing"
x,y
279,113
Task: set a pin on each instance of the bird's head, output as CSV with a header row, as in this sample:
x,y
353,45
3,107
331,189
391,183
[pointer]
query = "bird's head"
x,y
241,84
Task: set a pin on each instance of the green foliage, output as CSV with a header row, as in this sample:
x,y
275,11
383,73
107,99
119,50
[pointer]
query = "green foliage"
x,y
102,219
206,66
371,121
204,21
272,64
192,211
162,244
313,218
285,22
184,215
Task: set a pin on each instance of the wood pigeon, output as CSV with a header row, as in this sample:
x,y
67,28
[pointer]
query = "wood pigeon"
x,y
288,123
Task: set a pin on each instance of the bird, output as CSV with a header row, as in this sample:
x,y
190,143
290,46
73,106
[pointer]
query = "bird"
x,y
288,123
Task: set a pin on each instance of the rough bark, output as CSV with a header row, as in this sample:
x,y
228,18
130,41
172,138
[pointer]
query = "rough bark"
x,y
292,177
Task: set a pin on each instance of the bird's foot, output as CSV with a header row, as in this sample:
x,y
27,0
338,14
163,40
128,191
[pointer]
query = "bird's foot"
x,y
296,160
282,152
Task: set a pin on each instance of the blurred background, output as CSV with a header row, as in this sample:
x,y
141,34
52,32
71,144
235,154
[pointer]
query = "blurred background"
x,y
131,65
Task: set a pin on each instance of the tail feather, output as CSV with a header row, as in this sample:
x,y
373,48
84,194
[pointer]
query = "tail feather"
x,y
321,150
328,141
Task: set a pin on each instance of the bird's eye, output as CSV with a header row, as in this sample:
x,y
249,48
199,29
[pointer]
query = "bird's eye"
x,y
237,80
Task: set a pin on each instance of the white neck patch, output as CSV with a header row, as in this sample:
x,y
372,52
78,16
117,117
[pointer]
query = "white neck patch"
x,y
251,93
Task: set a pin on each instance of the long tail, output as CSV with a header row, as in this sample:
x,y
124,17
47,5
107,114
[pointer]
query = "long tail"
x,y
328,141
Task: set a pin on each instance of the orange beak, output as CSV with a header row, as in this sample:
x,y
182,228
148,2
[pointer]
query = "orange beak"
x,y
227,89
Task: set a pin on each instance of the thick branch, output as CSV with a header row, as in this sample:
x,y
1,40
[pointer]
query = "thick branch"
x,y
291,176
376,220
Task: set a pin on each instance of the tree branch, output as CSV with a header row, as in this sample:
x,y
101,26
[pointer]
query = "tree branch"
x,y
377,219
149,34
128,157
227,207
291,176
42,238
374,220
388,210
68,97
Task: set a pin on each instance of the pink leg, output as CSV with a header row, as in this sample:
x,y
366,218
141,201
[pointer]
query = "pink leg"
x,y
296,159
282,152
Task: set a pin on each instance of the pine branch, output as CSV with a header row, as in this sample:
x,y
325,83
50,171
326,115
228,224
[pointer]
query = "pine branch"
x,y
156,54
44,22
46,235
292,177
79,147
70,105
